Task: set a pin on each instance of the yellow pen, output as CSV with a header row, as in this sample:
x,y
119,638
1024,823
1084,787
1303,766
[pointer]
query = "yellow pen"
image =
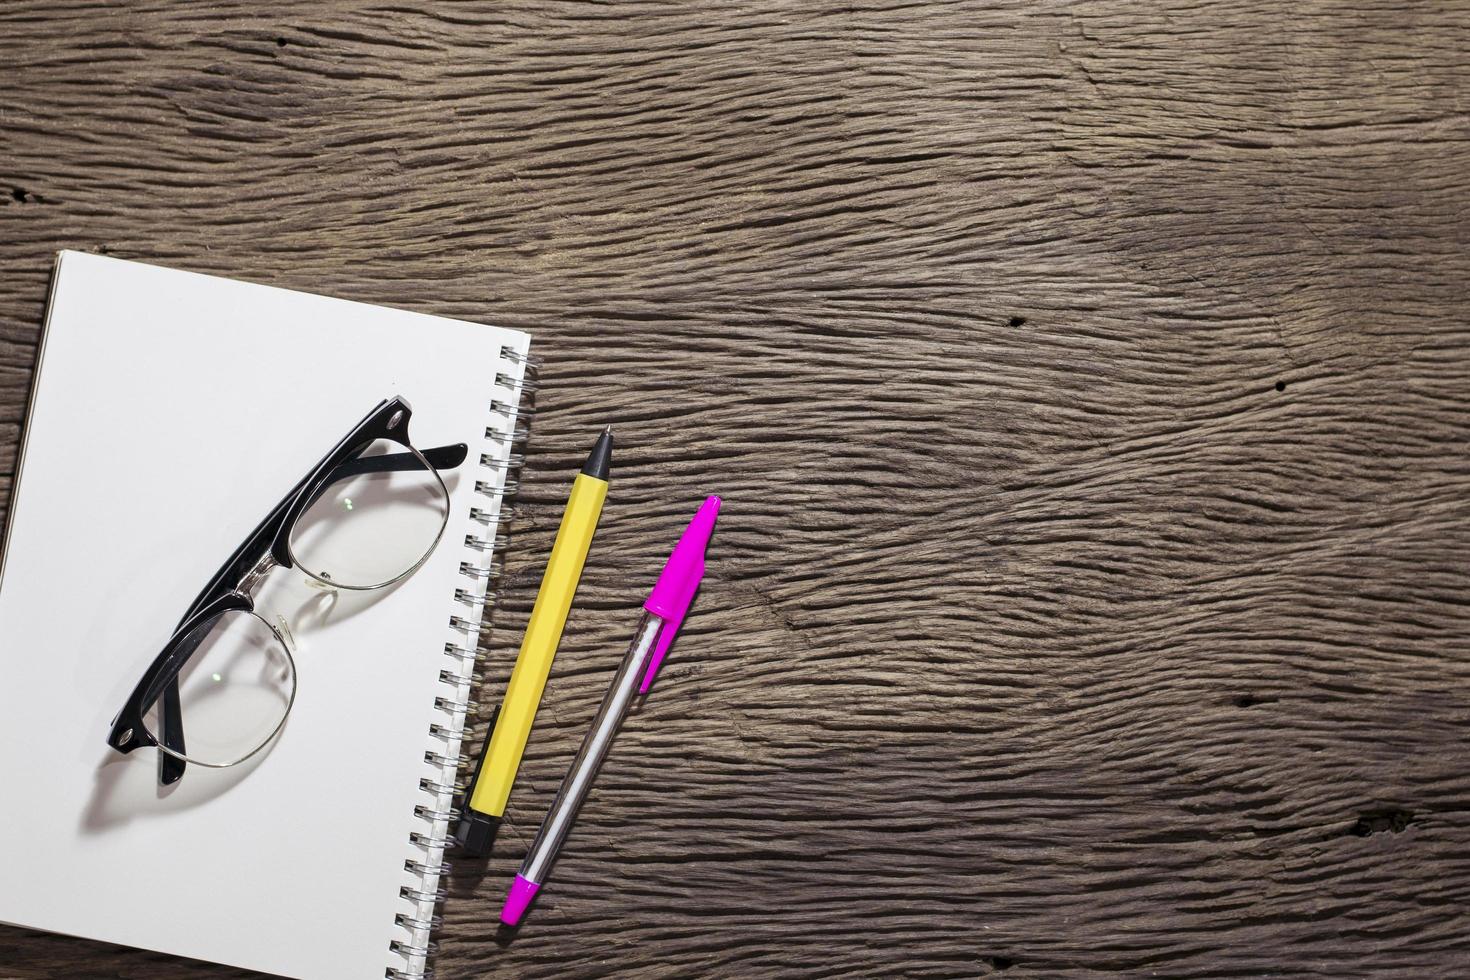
x,y
488,791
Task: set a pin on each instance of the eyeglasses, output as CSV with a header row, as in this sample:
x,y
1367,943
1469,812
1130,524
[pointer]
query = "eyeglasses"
x,y
366,517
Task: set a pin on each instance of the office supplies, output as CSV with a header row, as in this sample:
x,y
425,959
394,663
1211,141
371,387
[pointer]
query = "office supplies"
x,y
663,614
489,787
166,408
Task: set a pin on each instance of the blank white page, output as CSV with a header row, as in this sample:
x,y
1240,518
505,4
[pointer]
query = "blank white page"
x,y
171,411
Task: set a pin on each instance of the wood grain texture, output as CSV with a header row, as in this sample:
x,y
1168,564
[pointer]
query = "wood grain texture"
x,y
1088,385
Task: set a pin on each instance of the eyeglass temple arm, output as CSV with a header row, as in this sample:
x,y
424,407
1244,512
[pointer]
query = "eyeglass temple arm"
x,y
440,457
170,769
171,721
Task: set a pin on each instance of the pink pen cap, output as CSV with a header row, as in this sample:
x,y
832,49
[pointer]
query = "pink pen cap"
x,y
522,890
675,588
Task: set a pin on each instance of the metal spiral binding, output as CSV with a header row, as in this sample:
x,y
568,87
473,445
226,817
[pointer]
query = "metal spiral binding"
x,y
512,462
429,842
518,433
480,544
430,786
511,488
456,707
439,894
439,761
459,653
526,386
441,868
496,543
409,949
476,676
409,922
430,814
517,412
491,571
506,431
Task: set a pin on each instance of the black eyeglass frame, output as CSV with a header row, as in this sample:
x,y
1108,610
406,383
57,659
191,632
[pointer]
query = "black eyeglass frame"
x,y
267,547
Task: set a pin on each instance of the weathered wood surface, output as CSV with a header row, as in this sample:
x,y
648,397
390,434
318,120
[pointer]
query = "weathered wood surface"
x,y
1088,383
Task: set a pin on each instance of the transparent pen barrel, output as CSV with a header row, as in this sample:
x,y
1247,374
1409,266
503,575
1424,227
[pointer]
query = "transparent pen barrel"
x,y
574,788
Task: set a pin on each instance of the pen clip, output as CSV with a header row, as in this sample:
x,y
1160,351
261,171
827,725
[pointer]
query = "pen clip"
x,y
676,587
660,647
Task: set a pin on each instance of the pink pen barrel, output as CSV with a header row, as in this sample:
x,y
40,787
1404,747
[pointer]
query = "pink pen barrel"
x,y
578,782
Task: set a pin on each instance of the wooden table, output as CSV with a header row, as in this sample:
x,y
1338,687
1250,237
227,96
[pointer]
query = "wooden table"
x,y
1088,384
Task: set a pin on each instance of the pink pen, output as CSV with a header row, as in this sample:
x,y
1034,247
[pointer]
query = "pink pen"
x,y
663,613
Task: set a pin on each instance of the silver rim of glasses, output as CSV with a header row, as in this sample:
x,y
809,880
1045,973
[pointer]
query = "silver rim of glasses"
x,y
428,550
285,643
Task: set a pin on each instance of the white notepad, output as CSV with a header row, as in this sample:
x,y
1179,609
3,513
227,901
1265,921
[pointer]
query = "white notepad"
x,y
170,412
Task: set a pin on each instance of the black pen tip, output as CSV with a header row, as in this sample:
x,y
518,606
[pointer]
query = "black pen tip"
x,y
599,461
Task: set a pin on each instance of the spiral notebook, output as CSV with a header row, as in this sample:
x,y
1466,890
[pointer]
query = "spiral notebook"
x,y
169,412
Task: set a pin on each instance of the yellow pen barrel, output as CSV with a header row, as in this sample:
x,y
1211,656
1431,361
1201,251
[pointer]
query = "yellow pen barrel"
x,y
538,646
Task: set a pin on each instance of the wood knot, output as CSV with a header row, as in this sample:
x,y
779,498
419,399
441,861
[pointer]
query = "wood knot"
x,y
1379,821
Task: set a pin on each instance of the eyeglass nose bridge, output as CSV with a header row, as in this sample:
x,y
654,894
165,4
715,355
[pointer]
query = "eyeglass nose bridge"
x,y
257,574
